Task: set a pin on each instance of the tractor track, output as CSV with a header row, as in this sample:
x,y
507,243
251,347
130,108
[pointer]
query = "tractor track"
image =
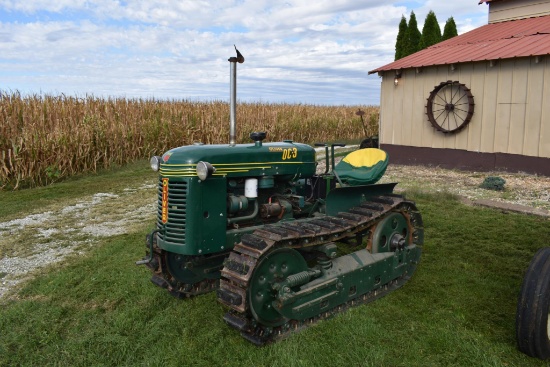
x,y
242,261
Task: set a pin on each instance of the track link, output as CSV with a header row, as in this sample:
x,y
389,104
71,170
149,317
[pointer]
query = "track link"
x,y
357,221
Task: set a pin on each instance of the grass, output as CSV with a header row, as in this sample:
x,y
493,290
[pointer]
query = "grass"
x,y
23,202
458,309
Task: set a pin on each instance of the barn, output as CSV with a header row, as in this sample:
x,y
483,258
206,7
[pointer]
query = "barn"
x,y
478,101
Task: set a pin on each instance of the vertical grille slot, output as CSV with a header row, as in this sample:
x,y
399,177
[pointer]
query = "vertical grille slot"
x,y
177,206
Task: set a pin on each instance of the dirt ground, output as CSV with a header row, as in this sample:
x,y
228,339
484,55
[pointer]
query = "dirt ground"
x,y
519,188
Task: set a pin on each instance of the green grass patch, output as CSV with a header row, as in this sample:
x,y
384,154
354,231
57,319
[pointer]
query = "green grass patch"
x,y
457,310
25,201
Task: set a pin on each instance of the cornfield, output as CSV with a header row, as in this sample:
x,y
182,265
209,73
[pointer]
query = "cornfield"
x,y
46,138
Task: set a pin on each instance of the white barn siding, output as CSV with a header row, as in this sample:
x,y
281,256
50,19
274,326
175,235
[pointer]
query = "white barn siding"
x,y
511,113
533,114
501,11
476,131
544,142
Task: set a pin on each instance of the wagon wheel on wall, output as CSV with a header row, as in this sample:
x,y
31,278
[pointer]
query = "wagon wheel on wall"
x,y
450,106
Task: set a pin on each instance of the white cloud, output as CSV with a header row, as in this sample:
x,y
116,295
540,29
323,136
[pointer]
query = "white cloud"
x,y
295,50
32,6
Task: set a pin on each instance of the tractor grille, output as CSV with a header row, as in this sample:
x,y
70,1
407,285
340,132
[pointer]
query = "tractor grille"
x,y
177,204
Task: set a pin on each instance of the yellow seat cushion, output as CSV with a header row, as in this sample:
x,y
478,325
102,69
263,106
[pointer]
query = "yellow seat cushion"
x,y
362,167
367,157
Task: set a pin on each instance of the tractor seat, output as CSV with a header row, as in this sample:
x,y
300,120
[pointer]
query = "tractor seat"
x,y
362,167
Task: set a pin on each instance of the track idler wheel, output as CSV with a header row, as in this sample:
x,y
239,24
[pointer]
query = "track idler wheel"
x,y
392,233
275,266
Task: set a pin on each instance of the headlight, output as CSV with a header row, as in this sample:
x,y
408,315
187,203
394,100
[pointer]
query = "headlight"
x,y
205,170
155,163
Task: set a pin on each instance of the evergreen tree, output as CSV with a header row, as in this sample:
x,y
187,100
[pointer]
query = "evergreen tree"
x,y
431,32
450,29
400,42
412,37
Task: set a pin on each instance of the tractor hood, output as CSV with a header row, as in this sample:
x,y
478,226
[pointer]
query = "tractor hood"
x,y
242,160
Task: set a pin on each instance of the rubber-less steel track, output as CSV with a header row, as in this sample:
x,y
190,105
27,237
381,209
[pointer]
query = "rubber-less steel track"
x,y
357,221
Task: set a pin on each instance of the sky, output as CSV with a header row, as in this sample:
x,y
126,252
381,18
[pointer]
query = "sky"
x,y
296,51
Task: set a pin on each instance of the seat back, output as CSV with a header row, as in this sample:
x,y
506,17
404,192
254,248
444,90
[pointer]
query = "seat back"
x,y
362,167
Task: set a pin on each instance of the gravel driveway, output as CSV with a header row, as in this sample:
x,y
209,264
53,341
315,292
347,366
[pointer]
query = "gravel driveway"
x,y
38,240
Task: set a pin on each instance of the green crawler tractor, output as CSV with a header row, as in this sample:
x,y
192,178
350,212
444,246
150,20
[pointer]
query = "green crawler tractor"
x,y
282,245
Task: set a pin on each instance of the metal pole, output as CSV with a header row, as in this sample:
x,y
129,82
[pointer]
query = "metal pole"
x,y
233,101
233,96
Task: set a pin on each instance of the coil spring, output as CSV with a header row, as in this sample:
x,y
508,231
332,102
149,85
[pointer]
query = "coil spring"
x,y
298,279
325,263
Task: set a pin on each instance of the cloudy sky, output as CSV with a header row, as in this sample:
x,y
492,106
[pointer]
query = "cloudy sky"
x,y
297,51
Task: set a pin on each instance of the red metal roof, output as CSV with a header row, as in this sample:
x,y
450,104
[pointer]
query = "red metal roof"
x,y
503,40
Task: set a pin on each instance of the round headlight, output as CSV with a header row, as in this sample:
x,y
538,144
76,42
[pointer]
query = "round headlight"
x,y
155,163
205,170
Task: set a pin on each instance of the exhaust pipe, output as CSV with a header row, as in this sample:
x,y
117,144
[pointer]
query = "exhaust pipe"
x,y
233,95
